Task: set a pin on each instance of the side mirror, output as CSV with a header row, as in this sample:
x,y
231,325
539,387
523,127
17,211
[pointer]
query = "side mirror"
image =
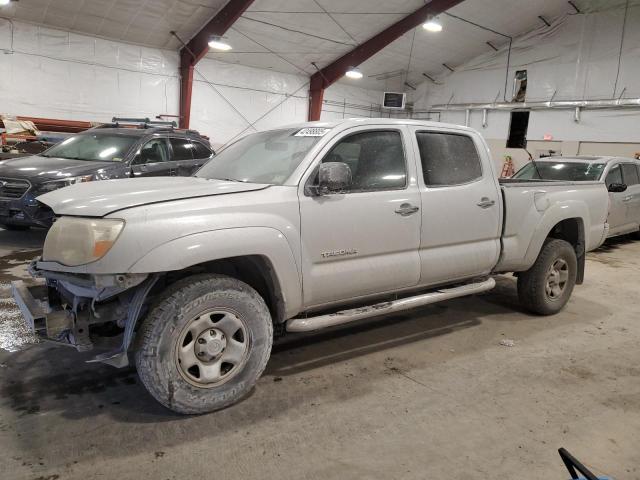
x,y
333,177
617,187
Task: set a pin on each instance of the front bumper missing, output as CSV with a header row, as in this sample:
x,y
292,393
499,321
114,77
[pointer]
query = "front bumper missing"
x,y
47,323
55,320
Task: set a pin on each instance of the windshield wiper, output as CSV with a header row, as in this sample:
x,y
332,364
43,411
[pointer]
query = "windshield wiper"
x,y
229,180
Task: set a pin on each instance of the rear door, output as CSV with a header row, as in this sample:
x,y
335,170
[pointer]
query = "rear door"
x,y
631,197
152,159
362,241
189,155
617,218
461,206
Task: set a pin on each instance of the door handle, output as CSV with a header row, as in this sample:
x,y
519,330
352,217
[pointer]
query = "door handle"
x,y
485,202
628,198
407,209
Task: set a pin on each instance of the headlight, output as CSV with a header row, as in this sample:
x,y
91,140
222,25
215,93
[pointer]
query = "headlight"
x,y
56,184
74,241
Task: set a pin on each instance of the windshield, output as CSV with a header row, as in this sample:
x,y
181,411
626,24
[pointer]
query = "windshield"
x,y
264,157
567,171
93,147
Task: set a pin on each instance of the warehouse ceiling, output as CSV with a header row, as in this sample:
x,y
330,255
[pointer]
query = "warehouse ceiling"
x,y
289,36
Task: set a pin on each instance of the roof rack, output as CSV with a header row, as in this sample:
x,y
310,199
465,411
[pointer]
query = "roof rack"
x,y
144,123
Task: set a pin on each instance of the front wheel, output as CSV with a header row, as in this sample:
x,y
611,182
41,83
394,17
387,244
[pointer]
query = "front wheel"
x,y
547,286
204,344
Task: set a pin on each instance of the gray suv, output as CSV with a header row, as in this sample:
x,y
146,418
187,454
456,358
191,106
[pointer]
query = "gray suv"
x,y
116,150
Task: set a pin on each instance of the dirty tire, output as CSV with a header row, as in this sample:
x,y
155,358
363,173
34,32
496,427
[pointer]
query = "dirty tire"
x,y
160,332
532,283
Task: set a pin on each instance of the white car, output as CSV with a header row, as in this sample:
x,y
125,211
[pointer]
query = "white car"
x,y
622,176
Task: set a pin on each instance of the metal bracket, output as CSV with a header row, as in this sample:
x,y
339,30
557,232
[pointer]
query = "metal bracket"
x,y
119,358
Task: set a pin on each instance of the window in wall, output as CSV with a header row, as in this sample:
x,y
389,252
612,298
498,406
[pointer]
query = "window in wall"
x,y
518,130
448,159
520,86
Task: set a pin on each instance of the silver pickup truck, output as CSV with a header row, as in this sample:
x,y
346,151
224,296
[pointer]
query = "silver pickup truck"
x,y
296,229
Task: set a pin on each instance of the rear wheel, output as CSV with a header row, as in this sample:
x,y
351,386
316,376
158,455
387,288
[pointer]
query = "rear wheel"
x,y
205,344
547,286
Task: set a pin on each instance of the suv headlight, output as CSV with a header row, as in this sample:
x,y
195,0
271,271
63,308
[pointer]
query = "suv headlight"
x,y
65,182
74,241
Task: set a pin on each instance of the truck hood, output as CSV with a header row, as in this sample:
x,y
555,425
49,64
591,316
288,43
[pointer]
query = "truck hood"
x,y
97,199
36,168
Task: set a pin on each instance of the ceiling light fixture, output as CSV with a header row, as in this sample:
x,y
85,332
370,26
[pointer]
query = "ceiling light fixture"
x,y
217,43
432,25
4,2
354,73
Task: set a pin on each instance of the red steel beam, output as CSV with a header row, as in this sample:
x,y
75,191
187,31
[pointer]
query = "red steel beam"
x,y
198,47
333,72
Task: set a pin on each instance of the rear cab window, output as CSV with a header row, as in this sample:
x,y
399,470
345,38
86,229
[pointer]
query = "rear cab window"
x,y
448,158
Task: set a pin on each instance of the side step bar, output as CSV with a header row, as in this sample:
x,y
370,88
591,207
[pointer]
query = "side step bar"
x,y
310,324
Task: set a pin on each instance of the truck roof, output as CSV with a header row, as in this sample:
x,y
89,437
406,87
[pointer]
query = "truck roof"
x,y
355,122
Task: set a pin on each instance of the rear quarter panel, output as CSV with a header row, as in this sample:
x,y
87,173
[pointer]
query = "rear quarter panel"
x,y
533,209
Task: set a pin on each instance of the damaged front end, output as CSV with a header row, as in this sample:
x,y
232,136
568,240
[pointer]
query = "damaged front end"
x,y
88,312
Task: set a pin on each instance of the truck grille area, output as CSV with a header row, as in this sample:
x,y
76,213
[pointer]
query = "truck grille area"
x,y
12,188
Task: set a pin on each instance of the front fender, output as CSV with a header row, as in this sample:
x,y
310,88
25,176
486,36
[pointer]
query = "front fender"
x,y
198,248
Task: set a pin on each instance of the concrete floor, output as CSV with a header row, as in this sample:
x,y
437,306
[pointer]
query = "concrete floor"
x,y
429,394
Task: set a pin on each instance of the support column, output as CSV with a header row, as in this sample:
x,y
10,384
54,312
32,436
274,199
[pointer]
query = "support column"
x,y
316,94
186,88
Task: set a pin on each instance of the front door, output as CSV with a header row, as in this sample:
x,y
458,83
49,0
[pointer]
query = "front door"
x,y
461,207
365,240
152,160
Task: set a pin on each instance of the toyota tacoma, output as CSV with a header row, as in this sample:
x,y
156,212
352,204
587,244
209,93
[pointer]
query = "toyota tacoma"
x,y
295,229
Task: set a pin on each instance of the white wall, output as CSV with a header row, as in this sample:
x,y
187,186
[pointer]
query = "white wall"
x,y
577,58
233,100
57,74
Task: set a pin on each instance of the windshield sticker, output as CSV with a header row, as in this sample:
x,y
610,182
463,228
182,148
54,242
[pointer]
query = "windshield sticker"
x,y
312,132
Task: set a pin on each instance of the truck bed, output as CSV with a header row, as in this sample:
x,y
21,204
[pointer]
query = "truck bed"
x,y
532,208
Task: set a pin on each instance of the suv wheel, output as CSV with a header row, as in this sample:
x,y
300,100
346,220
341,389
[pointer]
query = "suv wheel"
x,y
204,344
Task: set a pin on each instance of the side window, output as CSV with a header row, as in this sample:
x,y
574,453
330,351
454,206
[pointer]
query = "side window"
x,y
630,174
154,151
200,151
376,159
448,159
614,176
182,149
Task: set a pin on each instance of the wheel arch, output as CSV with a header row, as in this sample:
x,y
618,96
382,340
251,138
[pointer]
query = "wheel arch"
x,y
571,230
259,256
